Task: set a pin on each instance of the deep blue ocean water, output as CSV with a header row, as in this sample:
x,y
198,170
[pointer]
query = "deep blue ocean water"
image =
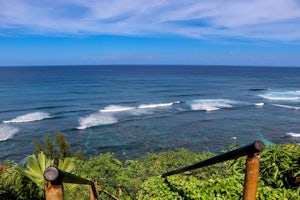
x,y
131,110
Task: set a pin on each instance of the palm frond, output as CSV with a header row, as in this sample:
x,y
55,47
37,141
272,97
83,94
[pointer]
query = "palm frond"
x,y
35,167
67,165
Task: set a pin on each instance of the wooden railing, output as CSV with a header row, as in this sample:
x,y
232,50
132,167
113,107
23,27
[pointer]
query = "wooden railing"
x,y
252,166
56,177
54,187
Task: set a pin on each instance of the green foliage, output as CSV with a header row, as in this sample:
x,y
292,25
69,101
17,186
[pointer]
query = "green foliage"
x,y
278,171
59,149
140,178
105,167
27,181
34,169
15,185
267,192
63,146
279,165
175,187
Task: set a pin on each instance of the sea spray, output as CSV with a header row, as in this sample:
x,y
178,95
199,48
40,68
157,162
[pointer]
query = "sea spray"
x,y
96,119
7,132
210,104
30,117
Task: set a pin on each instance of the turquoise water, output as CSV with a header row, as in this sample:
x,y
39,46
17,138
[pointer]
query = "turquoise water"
x,y
131,110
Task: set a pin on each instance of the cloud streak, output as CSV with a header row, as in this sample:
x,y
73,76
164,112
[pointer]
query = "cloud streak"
x,y
258,19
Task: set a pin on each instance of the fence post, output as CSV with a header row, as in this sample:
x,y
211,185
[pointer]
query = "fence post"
x,y
93,189
54,191
55,177
251,177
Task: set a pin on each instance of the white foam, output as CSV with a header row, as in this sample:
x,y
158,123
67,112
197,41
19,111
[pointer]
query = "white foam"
x,y
116,108
30,117
97,119
293,134
210,104
158,105
286,106
281,95
141,111
259,104
7,132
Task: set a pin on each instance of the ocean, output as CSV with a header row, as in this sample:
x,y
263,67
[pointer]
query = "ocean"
x,y
132,110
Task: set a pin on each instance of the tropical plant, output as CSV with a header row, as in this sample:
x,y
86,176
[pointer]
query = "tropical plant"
x,y
280,165
141,178
59,149
15,185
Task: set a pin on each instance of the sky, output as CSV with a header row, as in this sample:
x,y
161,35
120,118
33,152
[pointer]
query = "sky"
x,y
181,32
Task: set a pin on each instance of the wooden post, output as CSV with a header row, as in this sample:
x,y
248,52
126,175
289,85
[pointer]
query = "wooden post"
x,y
54,192
120,190
251,177
92,192
55,177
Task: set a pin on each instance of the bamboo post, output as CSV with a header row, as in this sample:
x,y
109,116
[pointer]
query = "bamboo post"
x,y
54,191
251,177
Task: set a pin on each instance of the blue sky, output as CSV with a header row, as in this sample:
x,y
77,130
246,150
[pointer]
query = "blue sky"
x,y
196,32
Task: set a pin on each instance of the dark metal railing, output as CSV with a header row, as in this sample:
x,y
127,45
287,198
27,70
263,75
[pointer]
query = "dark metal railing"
x,y
252,166
54,187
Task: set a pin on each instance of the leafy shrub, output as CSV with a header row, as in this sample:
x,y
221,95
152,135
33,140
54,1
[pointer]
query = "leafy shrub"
x,y
141,178
279,165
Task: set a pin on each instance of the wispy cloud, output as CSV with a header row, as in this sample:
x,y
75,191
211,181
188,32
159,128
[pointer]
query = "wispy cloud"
x,y
257,19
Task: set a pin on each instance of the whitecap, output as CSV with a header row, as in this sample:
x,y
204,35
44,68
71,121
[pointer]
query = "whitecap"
x,y
281,95
210,104
259,104
116,108
286,106
293,134
97,119
30,117
158,105
141,111
7,132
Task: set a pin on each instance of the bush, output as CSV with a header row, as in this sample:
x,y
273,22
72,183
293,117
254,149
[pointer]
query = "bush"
x,y
141,178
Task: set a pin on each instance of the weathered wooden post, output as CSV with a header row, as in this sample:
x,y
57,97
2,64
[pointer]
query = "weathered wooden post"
x,y
251,177
55,177
54,188
54,191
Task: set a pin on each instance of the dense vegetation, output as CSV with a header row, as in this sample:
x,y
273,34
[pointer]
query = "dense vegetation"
x,y
141,178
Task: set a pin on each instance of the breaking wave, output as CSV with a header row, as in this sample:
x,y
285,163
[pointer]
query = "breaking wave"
x,y
261,104
97,119
108,114
158,105
210,104
286,106
281,95
293,134
116,108
30,117
7,132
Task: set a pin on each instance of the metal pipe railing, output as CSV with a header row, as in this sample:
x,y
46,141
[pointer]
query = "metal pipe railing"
x,y
252,166
55,177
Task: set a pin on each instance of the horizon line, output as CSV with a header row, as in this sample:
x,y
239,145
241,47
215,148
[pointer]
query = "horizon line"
x,y
155,65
